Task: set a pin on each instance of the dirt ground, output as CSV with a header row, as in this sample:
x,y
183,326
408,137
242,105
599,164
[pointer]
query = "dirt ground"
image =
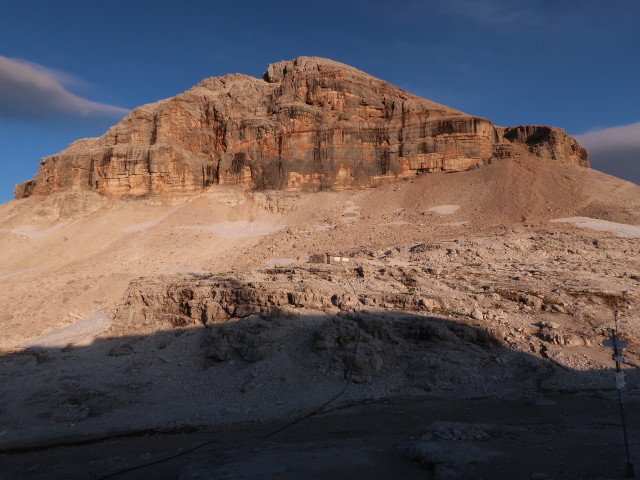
x,y
466,327
564,436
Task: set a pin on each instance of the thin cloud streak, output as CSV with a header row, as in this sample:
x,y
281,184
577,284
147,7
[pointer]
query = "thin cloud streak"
x,y
493,12
624,136
30,91
615,150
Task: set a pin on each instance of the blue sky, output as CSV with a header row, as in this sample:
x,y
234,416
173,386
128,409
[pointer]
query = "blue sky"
x,y
71,69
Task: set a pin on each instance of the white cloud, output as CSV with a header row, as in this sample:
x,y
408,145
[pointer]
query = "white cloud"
x,y
625,136
485,13
615,150
491,12
31,91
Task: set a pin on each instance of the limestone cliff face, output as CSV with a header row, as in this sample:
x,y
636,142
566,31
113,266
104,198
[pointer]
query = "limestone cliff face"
x,y
308,124
549,142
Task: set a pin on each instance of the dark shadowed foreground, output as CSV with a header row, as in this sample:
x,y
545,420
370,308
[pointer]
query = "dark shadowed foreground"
x,y
427,397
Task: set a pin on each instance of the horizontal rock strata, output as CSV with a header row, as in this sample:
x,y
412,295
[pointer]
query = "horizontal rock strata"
x,y
308,124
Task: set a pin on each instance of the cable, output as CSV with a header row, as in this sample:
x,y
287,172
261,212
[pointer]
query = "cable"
x,y
319,409
271,434
144,465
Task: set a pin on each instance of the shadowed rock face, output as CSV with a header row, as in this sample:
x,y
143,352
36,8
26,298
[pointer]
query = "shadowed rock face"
x,y
308,124
549,142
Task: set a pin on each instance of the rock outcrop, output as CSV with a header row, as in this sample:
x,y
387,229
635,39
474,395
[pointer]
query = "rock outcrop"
x,y
549,142
308,124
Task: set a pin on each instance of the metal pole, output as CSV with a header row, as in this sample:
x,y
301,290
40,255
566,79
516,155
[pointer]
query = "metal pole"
x,y
628,471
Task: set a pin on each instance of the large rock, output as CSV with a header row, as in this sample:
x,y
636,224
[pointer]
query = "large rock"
x,y
309,124
549,142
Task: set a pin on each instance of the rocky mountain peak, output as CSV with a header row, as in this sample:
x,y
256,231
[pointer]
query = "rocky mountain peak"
x,y
309,124
276,72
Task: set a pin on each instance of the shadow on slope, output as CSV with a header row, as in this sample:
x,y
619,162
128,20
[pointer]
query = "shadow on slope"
x,y
270,368
264,367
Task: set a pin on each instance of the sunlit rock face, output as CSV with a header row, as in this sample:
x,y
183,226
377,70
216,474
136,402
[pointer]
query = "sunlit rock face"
x,y
308,124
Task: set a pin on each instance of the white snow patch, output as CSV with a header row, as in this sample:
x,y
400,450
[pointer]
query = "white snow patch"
x,y
282,261
622,229
444,209
351,213
184,269
323,227
9,275
319,228
239,229
139,227
74,333
32,232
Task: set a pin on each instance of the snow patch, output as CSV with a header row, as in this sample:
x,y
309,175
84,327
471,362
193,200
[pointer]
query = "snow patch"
x,y
139,227
185,269
281,261
351,212
323,227
9,275
74,333
622,229
444,209
32,232
239,229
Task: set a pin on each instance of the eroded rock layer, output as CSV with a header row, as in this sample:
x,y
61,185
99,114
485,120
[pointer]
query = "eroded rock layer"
x,y
308,124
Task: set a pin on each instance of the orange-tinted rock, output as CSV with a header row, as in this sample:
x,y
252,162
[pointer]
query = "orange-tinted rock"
x,y
308,124
549,142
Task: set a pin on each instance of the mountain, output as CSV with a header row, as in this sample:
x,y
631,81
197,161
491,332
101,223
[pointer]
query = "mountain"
x,y
200,282
309,124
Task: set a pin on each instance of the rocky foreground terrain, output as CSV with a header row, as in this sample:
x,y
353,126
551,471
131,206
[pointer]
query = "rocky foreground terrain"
x,y
456,331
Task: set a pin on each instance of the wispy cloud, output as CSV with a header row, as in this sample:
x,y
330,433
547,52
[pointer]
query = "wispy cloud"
x,y
484,14
489,14
615,150
31,91
493,12
624,136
